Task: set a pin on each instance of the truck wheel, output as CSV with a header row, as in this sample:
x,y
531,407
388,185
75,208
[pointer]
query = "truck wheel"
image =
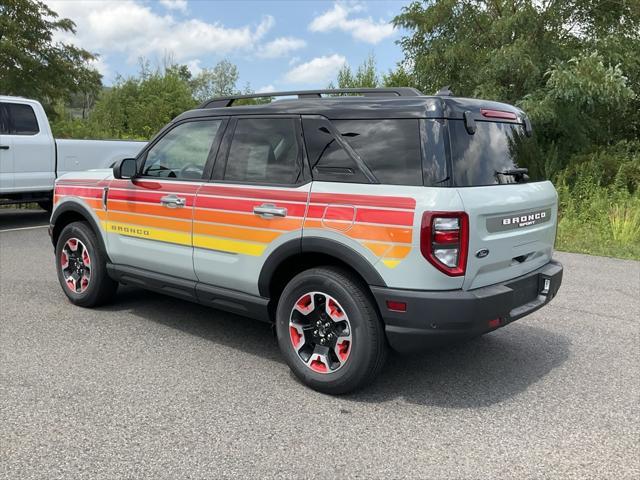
x,y
329,330
81,266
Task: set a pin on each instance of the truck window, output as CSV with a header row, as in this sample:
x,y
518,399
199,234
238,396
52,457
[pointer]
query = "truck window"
x,y
330,162
264,150
390,148
478,159
182,152
22,119
4,121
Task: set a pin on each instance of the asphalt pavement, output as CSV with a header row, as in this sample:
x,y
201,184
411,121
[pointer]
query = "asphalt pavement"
x,y
154,387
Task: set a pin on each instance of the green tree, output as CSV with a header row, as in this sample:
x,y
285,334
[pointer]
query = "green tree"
x,y
32,64
219,81
138,107
572,65
365,76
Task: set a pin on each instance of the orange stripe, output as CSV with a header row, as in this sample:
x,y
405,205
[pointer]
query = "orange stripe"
x,y
165,223
237,233
134,207
371,232
390,251
248,220
101,214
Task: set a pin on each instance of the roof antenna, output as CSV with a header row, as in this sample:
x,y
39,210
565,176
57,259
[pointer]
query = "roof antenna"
x,y
444,92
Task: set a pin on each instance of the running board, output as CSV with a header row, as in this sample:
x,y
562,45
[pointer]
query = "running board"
x,y
232,301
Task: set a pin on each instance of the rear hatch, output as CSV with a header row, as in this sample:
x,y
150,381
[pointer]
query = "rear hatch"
x,y
512,222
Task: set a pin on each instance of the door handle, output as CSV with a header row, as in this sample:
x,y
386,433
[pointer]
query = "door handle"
x,y
172,201
269,210
4,147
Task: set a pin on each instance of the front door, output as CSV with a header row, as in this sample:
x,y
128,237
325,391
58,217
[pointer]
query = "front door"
x,y
149,218
256,202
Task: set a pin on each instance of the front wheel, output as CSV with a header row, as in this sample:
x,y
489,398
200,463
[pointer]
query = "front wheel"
x,y
81,266
329,330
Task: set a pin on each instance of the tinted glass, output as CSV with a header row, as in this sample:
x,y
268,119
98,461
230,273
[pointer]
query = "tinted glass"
x,y
434,167
390,148
478,159
264,150
183,152
22,118
330,162
4,122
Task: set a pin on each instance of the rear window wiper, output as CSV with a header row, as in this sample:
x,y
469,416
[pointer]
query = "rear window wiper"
x,y
519,174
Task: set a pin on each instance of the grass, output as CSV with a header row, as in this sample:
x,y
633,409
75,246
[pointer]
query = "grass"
x,y
599,221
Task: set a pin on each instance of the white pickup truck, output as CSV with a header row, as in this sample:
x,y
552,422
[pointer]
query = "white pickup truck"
x,y
31,159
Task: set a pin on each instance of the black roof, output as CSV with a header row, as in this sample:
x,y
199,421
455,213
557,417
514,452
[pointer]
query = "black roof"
x,y
377,103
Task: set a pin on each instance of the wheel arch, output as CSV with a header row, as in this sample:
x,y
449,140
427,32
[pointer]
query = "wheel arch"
x,y
70,212
295,256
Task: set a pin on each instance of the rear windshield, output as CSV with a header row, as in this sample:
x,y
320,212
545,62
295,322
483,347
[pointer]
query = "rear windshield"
x,y
482,158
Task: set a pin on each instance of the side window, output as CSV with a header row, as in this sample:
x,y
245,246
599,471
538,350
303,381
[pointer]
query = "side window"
x,y
4,121
183,152
22,119
329,161
264,150
390,148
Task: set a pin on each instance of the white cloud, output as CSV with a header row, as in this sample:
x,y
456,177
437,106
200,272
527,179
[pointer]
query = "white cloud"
x,y
266,88
132,27
194,66
365,28
180,5
293,61
280,47
100,64
319,70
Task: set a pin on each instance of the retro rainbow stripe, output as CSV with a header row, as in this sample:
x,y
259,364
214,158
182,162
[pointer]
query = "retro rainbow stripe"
x,y
221,217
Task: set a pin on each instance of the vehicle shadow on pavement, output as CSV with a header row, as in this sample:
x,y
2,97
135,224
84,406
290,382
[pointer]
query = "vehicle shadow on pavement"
x,y
21,218
477,373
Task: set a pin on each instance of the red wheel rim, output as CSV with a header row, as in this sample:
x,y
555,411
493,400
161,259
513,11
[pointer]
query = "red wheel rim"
x,y
320,332
75,265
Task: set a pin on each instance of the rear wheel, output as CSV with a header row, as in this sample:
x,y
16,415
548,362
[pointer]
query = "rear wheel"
x,y
81,266
329,330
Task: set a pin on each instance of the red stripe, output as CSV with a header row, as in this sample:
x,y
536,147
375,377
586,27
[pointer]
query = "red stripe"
x,y
79,191
285,195
237,205
156,186
369,215
143,196
364,200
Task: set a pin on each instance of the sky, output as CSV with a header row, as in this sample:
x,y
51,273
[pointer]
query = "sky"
x,y
277,45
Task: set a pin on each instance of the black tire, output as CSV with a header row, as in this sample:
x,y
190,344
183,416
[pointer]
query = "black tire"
x,y
368,347
101,287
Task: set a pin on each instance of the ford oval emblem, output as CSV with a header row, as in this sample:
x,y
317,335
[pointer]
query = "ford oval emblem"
x,y
483,252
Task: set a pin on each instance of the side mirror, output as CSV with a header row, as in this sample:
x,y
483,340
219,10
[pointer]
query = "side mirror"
x,y
125,168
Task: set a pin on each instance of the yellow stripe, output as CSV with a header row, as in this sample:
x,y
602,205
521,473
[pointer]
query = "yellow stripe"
x,y
181,238
226,245
391,263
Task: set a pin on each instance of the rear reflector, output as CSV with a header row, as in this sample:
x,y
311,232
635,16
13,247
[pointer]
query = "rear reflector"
x,y
494,323
395,306
444,240
498,114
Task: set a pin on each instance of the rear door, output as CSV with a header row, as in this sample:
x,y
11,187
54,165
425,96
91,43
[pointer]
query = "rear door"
x,y
149,219
255,203
512,225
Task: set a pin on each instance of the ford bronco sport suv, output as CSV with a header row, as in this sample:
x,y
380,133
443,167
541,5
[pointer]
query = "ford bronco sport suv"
x,y
383,218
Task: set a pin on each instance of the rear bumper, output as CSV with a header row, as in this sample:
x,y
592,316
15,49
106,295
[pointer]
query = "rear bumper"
x,y
436,317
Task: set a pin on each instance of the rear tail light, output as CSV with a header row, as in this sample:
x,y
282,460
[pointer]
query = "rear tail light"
x,y
444,241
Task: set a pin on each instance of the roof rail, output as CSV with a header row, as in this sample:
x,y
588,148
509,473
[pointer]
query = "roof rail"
x,y
367,92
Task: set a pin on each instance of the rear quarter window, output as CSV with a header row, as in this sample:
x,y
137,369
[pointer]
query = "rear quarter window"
x,y
390,148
